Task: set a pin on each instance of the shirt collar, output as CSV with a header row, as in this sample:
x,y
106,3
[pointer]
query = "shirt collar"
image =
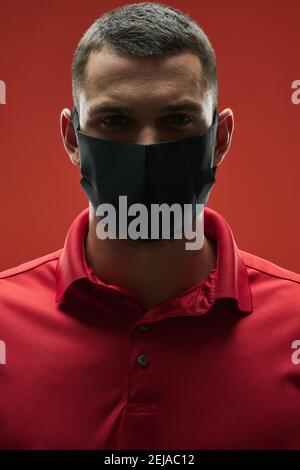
x,y
231,272
231,277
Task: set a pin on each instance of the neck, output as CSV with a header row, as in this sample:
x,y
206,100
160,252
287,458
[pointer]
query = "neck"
x,y
153,271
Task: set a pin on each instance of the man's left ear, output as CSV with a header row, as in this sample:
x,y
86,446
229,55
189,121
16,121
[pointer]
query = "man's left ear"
x,y
224,135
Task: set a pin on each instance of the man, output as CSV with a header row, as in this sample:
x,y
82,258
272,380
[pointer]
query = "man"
x,y
140,343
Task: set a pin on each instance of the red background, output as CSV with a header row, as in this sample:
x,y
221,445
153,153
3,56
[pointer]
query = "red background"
x,y
257,48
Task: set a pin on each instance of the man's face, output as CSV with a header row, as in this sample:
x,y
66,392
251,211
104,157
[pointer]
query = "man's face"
x,y
144,100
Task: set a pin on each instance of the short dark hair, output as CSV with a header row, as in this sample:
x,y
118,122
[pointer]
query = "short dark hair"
x,y
145,29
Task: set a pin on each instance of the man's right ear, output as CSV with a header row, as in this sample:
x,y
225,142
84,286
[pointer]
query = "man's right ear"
x,y
69,136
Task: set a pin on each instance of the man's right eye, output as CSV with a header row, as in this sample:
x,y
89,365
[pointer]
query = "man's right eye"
x,y
113,121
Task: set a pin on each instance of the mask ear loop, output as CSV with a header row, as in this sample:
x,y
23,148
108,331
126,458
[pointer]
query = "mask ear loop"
x,y
75,118
215,127
75,121
215,118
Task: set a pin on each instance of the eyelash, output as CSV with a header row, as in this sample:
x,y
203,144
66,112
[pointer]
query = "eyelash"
x,y
102,121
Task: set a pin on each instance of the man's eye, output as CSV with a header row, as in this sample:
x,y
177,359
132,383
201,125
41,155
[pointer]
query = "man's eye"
x,y
112,121
179,119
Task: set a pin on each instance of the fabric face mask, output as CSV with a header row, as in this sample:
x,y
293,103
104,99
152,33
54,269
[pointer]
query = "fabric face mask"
x,y
169,172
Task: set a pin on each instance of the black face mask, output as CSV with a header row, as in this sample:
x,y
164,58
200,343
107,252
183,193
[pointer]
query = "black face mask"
x,y
174,171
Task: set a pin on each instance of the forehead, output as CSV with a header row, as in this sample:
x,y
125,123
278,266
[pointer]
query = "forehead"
x,y
106,72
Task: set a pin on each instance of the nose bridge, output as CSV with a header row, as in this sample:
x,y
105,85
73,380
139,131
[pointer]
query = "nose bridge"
x,y
147,135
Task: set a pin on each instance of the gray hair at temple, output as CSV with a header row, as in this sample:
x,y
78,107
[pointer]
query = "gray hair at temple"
x,y
145,29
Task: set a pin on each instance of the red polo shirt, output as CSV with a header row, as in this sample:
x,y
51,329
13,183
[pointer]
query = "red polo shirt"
x,y
83,366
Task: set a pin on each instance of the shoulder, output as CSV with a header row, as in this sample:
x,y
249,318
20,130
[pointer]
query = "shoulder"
x,y
269,269
273,287
17,272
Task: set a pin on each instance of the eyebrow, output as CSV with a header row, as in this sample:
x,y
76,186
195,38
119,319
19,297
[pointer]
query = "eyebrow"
x,y
183,105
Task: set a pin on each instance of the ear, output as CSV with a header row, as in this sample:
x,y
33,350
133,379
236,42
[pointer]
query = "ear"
x,y
69,136
224,135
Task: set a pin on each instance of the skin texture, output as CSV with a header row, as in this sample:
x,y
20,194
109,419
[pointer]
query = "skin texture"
x,y
154,271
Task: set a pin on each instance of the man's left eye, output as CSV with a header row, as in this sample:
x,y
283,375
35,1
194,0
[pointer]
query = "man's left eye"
x,y
179,119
